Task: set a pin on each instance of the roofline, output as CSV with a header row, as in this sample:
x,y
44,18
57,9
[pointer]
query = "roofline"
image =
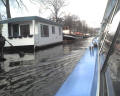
x,y
29,18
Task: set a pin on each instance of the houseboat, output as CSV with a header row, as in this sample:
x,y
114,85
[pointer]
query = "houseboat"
x,y
31,31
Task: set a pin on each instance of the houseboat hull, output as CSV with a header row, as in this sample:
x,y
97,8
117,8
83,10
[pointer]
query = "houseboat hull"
x,y
29,48
15,49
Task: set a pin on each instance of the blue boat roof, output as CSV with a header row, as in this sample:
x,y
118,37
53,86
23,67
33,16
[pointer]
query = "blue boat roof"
x,y
29,18
83,80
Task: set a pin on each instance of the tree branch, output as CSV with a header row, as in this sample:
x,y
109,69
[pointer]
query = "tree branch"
x,y
4,2
18,4
23,4
32,1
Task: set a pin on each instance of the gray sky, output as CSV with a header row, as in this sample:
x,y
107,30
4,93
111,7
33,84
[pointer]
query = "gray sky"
x,y
91,11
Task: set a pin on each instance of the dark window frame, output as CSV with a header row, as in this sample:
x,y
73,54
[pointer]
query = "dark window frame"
x,y
44,30
53,29
15,30
25,30
9,31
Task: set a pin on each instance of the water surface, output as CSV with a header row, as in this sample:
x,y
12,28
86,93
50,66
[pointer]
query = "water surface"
x,y
40,73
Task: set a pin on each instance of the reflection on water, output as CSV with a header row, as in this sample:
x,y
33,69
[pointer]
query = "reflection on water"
x,y
41,75
11,72
49,54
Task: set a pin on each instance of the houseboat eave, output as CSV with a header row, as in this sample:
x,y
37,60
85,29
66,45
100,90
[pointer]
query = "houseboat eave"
x,y
29,18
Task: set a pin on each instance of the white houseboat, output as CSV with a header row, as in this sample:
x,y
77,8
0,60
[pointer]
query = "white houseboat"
x,y
31,31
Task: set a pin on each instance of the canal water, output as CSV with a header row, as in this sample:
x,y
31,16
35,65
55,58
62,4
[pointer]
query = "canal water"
x,y
41,73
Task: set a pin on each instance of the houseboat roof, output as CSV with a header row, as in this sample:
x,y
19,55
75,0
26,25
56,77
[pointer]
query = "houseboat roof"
x,y
29,18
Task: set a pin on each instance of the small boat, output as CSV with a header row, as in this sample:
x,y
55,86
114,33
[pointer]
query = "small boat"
x,y
69,37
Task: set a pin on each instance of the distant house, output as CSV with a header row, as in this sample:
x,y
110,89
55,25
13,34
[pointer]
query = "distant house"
x,y
66,30
31,31
79,33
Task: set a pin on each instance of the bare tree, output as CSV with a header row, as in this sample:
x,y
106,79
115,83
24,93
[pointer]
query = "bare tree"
x,y
1,24
68,21
7,6
74,24
6,3
54,6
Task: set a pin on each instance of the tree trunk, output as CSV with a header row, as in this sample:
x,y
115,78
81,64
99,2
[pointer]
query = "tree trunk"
x,y
56,16
8,9
1,24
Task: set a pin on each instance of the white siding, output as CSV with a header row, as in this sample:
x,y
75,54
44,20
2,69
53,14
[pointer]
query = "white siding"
x,y
5,30
53,38
18,41
36,35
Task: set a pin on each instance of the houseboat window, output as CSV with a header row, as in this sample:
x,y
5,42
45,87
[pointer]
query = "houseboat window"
x,y
15,30
25,30
60,32
9,30
53,30
44,31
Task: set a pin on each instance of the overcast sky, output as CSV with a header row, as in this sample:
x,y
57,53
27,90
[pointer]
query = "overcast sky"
x,y
91,11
